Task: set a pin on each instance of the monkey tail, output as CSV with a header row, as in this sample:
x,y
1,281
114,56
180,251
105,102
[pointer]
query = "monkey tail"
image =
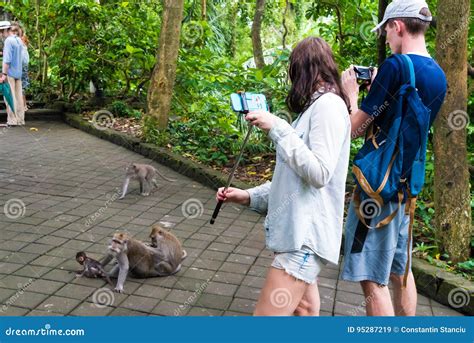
x,y
164,177
107,278
185,254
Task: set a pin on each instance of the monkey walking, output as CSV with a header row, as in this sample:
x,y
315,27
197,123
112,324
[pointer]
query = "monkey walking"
x,y
145,174
139,259
91,267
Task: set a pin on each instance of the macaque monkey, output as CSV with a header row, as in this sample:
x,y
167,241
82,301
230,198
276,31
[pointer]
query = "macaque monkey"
x,y
134,256
92,268
145,174
169,245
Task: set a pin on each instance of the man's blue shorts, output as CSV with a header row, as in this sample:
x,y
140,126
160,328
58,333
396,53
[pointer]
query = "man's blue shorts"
x,y
372,254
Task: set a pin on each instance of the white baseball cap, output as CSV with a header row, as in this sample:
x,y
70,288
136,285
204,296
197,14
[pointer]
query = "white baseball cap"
x,y
4,24
404,9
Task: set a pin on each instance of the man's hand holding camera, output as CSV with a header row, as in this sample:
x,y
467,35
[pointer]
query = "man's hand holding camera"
x,y
351,85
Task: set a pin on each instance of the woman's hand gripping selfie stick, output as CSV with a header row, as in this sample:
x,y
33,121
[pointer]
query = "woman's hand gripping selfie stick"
x,y
234,168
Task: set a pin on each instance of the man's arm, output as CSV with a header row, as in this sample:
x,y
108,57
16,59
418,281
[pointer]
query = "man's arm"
x,y
6,60
4,74
360,120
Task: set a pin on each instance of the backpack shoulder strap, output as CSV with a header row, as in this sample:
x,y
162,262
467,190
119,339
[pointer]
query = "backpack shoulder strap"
x,y
408,70
411,69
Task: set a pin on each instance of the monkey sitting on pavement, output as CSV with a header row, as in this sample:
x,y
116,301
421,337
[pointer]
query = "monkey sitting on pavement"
x,y
145,174
92,268
169,245
134,256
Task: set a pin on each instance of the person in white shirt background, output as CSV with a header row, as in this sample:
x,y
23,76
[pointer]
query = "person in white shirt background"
x,y
11,72
25,80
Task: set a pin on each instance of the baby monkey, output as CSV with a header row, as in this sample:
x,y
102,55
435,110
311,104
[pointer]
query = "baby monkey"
x,y
145,174
92,268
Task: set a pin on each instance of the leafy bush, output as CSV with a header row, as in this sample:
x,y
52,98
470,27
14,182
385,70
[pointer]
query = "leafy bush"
x,y
121,109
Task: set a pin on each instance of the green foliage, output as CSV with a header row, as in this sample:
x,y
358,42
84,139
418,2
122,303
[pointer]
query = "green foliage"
x,y
467,267
75,41
423,249
121,109
78,106
151,133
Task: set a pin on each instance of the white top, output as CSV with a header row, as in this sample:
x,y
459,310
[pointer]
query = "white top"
x,y
305,200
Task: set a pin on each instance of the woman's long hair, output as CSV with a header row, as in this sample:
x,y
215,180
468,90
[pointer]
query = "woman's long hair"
x,y
312,65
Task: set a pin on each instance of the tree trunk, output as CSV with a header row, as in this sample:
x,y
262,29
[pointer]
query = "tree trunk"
x,y
162,80
256,37
451,182
381,48
203,10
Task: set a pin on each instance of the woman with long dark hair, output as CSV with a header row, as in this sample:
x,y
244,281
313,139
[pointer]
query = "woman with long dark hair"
x,y
305,200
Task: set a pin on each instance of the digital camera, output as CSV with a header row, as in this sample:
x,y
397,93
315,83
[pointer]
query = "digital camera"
x,y
364,73
247,102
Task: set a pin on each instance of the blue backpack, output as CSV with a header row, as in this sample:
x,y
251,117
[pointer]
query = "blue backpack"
x,y
379,169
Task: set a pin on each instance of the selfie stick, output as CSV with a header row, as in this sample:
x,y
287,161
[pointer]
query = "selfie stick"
x,y
234,168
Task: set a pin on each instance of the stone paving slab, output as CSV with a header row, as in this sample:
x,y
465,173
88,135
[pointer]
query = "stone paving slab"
x,y
58,193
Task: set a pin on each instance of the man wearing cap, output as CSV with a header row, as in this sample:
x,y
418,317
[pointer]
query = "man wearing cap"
x,y
374,257
11,72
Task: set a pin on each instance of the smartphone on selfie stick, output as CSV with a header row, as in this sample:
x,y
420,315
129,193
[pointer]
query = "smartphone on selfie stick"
x,y
242,103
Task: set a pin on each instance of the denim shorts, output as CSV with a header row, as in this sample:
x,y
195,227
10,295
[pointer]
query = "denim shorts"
x,y
373,254
302,264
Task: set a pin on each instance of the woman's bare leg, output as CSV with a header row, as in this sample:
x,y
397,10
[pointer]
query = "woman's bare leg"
x,y
310,303
280,294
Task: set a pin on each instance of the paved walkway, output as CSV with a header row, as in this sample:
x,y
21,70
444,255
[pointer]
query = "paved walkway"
x,y
58,190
